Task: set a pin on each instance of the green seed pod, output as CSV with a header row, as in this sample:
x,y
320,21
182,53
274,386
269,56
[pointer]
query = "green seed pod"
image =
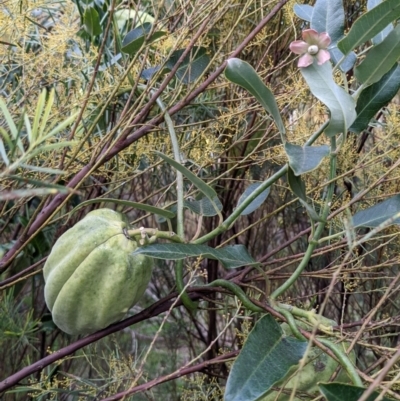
x,y
91,277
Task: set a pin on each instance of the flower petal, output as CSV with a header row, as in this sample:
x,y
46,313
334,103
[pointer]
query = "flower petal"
x,y
310,36
324,40
323,56
305,60
298,47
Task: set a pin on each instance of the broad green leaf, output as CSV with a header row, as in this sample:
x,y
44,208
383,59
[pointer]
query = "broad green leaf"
x,y
380,59
346,392
203,206
192,66
148,73
196,181
127,16
147,208
340,104
134,39
374,97
264,360
243,74
91,21
382,34
303,11
297,186
110,62
328,16
257,202
379,213
370,24
303,159
231,256
337,55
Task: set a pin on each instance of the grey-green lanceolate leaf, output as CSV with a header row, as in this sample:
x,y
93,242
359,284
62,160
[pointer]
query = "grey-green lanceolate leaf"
x,y
340,104
231,256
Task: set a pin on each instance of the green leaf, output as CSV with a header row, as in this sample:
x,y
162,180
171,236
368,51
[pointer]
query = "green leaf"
x,y
46,113
257,202
59,127
134,39
129,17
192,66
3,153
337,56
328,16
28,193
346,392
303,159
148,73
376,96
370,24
297,186
28,130
46,170
231,256
38,113
147,208
382,34
379,213
196,181
36,132
52,146
58,188
243,74
265,359
10,122
203,206
91,21
340,104
303,11
380,59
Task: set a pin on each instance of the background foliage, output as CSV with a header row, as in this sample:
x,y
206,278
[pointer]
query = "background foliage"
x,y
94,133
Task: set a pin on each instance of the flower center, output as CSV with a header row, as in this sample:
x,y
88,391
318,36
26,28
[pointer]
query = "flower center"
x,y
313,50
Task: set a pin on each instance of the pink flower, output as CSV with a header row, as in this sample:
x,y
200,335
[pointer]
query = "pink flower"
x,y
313,45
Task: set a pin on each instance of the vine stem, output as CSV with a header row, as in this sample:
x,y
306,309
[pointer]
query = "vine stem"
x,y
154,234
320,228
235,289
344,361
266,184
237,212
180,285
